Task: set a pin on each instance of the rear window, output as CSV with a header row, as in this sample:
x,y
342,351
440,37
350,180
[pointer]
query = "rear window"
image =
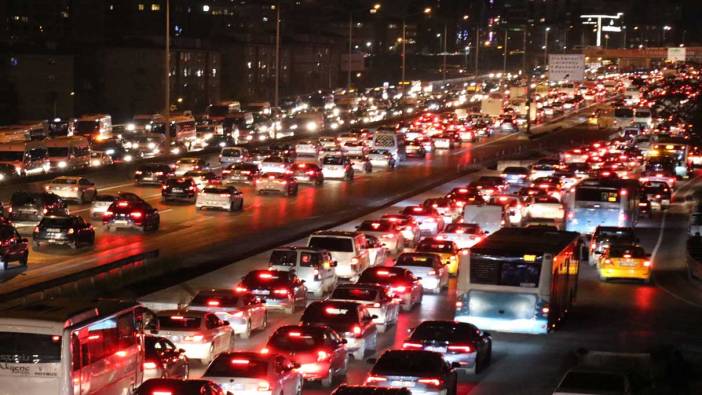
x,y
215,299
516,170
417,210
18,347
423,260
507,271
283,258
22,198
361,294
333,160
629,252
596,195
245,166
338,244
409,363
296,339
445,331
593,382
231,152
329,313
375,226
176,322
215,190
237,366
56,222
434,246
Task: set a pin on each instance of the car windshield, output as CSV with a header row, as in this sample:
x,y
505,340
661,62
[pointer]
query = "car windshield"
x,y
444,331
516,170
409,363
362,294
179,182
178,322
187,162
58,151
29,348
434,246
593,382
333,160
215,299
330,313
237,366
423,260
56,222
376,226
339,244
235,153
86,126
296,339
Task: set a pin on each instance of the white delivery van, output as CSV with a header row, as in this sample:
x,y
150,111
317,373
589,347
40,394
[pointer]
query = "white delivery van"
x,y
68,153
390,141
490,217
348,249
27,158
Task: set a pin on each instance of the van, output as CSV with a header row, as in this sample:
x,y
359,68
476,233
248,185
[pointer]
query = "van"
x,y
68,153
230,155
348,249
313,265
29,157
390,141
94,127
37,130
219,111
263,107
309,122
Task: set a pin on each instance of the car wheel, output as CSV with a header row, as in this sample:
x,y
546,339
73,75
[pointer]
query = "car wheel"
x,y
328,380
25,258
247,332
358,354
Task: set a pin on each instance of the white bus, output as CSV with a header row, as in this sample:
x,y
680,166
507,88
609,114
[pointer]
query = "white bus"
x,y
519,280
27,157
68,153
94,127
64,347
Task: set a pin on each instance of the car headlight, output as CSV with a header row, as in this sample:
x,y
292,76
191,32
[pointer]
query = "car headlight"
x,y
110,151
95,162
311,126
293,126
62,164
130,127
222,144
151,145
128,158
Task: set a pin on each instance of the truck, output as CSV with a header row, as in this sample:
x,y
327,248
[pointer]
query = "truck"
x,y
492,105
490,217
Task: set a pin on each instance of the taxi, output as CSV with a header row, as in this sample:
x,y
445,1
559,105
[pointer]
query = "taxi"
x,y
625,262
446,249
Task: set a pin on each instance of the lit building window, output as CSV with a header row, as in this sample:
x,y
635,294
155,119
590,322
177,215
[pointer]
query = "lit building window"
x,y
155,7
140,7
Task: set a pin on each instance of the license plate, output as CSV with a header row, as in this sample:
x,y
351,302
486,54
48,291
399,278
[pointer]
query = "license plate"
x,y
260,292
627,263
148,178
402,383
436,349
121,222
177,190
53,230
54,235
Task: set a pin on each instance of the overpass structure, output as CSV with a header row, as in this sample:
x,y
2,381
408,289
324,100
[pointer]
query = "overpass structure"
x,y
640,57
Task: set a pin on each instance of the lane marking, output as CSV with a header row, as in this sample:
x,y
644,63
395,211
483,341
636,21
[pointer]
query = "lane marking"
x,y
165,210
115,187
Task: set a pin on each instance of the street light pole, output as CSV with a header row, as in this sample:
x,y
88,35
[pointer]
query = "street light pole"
x,y
477,48
546,46
348,63
404,47
504,56
167,74
443,68
277,56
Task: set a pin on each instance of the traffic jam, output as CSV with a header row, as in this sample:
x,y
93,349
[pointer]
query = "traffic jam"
x,y
494,248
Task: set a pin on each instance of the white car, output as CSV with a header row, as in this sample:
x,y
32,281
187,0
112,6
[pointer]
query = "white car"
x,y
100,205
337,167
184,165
223,197
201,334
275,164
255,373
78,189
244,311
428,267
375,297
465,235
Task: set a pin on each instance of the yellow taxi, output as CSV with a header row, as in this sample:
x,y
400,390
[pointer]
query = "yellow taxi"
x,y
446,249
625,262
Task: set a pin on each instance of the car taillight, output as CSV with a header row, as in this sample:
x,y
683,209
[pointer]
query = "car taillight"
x,y
461,348
150,365
322,356
71,231
107,214
136,214
281,291
194,338
357,330
647,263
388,236
310,172
36,229
399,289
433,382
162,392
375,379
412,346
263,386
354,261
240,288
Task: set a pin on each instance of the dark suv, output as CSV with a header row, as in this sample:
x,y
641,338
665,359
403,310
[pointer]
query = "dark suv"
x,y
13,248
152,174
69,230
179,188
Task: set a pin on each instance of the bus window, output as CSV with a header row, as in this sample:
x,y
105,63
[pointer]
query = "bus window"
x,y
596,195
29,348
515,272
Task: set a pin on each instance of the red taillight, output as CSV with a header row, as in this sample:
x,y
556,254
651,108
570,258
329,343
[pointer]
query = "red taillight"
x,y
36,229
161,392
375,379
213,303
310,172
461,348
647,263
412,346
123,204
240,288
150,365
136,214
357,330
322,356
107,214
433,382
236,361
399,289
281,291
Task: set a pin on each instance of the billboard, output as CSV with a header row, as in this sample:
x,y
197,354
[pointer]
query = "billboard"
x,y
566,67
677,54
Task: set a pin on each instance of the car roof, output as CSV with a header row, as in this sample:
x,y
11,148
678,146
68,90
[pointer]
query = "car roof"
x,y
186,313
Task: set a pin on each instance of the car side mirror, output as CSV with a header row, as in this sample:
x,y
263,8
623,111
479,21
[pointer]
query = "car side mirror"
x,y
181,351
344,341
372,361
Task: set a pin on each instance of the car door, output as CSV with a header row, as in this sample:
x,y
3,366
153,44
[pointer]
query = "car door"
x,y
442,271
176,364
335,343
366,322
214,329
88,187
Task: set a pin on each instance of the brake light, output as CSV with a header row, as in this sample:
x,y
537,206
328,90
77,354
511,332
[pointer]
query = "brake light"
x,y
375,379
149,365
356,330
123,204
213,303
432,382
322,356
240,289
354,261
265,350
264,386
266,276
136,214
647,263
239,361
158,392
461,348
412,346
399,289
281,291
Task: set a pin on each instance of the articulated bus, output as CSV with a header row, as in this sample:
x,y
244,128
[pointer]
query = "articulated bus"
x,y
520,280
66,347
602,202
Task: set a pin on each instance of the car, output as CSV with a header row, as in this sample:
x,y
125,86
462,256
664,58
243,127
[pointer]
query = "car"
x,y
163,360
153,174
351,320
403,284
99,159
376,298
71,230
423,372
164,386
28,208
387,231
381,158
458,342
244,311
448,251
377,251
314,266
462,196
100,204
13,247
415,149
443,141
255,373
360,163
73,188
337,167
184,165
408,227
604,236
179,188
284,183
348,249
275,164
220,196
516,175
282,290
433,274
229,155
658,193
201,334
447,208
625,262
307,173
240,173
465,235
131,212
428,218
318,349
203,178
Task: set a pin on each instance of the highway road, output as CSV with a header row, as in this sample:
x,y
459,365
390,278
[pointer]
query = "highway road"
x,y
189,238
615,316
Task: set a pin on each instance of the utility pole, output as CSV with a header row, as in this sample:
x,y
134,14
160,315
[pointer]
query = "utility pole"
x,y
277,56
477,48
524,48
167,81
404,47
504,56
546,46
348,63
443,68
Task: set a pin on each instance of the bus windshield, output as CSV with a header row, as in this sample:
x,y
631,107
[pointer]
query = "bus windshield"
x,y
506,271
597,195
58,151
29,348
